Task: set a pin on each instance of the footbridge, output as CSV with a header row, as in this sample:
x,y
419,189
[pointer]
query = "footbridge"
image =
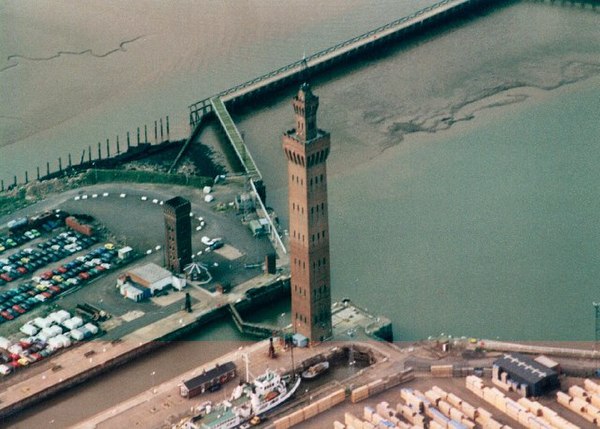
x,y
234,137
260,330
296,71
218,104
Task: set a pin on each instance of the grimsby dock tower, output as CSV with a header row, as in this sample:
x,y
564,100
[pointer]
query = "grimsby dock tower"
x,y
306,148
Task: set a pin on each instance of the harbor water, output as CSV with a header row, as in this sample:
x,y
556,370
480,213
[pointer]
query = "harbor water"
x,y
463,175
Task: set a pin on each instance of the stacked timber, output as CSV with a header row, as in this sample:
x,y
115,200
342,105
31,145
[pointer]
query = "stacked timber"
x,y
452,406
547,414
311,410
583,401
442,370
381,385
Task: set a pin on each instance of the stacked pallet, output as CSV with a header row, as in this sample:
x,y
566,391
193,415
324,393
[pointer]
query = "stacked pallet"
x,y
515,410
452,406
441,413
583,401
384,417
442,370
547,414
310,410
380,385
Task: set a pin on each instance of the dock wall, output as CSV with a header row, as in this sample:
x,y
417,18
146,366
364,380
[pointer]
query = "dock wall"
x,y
122,351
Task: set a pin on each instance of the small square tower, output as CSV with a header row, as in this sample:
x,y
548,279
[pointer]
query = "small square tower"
x,y
178,233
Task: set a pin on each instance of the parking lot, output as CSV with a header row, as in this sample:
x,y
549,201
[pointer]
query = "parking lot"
x,y
54,269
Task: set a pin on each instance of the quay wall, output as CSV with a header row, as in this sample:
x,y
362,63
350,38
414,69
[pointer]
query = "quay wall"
x,y
129,349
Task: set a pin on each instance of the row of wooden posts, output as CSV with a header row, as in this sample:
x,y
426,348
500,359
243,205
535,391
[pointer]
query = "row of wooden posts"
x,y
159,130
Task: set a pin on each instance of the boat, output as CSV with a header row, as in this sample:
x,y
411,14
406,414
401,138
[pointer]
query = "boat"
x,y
248,401
315,370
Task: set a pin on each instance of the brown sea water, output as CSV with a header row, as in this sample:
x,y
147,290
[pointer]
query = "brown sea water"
x,y
488,228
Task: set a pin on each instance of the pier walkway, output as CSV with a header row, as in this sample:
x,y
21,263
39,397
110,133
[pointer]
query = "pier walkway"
x,y
327,57
255,329
235,138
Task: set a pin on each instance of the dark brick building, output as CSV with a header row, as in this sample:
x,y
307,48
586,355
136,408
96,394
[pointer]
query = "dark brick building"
x,y
178,232
306,148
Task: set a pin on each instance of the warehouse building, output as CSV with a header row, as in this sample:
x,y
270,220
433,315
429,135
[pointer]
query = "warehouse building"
x,y
525,375
146,280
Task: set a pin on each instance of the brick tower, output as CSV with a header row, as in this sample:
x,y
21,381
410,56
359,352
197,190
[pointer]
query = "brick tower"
x,y
178,231
306,148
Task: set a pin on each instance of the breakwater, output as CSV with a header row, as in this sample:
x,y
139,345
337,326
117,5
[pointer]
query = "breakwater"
x,y
107,155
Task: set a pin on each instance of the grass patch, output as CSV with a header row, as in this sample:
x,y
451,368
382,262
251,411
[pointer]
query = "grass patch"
x,y
92,177
11,203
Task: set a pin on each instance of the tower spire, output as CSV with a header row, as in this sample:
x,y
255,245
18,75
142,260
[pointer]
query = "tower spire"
x,y
305,108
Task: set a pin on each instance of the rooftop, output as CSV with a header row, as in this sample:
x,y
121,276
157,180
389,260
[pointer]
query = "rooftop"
x,y
524,367
209,375
177,202
150,272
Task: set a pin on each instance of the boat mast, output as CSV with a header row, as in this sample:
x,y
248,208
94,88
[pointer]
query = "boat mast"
x,y
246,360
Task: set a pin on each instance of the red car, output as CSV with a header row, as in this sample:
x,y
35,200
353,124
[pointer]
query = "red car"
x,y
6,277
18,309
22,270
62,269
6,315
84,275
47,275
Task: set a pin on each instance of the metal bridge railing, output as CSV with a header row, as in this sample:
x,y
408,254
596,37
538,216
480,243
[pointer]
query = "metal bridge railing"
x,y
300,63
235,138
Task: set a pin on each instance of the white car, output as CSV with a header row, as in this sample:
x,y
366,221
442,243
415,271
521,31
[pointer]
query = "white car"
x,y
105,194
144,198
155,201
84,197
76,198
123,195
94,195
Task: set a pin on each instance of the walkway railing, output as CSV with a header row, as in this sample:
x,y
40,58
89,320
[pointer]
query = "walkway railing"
x,y
199,108
255,329
235,138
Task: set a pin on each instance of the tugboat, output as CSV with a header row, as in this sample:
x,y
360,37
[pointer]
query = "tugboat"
x,y
315,370
247,403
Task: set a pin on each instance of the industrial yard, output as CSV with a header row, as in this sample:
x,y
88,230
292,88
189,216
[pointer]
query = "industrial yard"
x,y
64,259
